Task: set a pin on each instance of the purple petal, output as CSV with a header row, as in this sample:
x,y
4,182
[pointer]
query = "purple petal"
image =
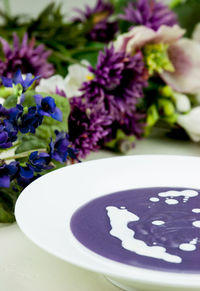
x,y
22,98
6,48
26,172
7,82
5,181
17,79
185,57
38,99
24,41
57,115
15,41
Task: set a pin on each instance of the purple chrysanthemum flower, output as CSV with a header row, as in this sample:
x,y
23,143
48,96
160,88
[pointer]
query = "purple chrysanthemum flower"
x,y
25,56
87,126
149,13
108,101
117,86
102,30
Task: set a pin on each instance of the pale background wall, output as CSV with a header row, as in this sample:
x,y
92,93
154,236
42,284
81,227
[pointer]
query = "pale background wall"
x,y
34,6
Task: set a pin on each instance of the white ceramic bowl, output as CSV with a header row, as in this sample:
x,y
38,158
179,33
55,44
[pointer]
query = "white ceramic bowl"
x,y
44,209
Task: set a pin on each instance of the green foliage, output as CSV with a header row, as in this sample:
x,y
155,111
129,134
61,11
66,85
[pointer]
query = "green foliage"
x,y
51,29
188,14
10,102
89,53
7,201
120,4
30,142
158,105
10,24
124,25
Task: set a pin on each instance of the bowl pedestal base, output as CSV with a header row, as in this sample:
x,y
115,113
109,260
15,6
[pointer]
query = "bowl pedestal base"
x,y
120,285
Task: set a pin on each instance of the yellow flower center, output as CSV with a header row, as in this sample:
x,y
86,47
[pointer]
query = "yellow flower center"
x,y
89,77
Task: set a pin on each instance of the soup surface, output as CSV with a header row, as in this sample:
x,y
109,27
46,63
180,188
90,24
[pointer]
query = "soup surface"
x,y
155,228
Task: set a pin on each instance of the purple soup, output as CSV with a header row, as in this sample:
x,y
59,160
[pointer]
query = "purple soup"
x,y
154,228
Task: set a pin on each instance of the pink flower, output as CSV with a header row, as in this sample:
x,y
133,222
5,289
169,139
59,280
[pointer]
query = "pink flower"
x,y
183,53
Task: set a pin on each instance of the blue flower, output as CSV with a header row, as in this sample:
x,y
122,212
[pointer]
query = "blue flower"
x,y
15,113
30,121
47,107
26,172
7,172
61,149
8,134
40,161
18,79
4,176
8,125
25,175
3,111
4,138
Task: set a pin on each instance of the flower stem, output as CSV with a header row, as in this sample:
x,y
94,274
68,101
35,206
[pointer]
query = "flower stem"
x,y
7,7
24,154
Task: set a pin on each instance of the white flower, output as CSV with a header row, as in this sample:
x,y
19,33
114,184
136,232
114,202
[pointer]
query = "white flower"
x,y
71,84
196,33
2,100
191,123
51,84
76,76
182,102
196,37
185,57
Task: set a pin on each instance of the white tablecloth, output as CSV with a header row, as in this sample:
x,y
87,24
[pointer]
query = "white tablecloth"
x,y
25,267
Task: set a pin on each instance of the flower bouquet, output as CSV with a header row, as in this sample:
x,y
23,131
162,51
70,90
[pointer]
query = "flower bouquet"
x,y
101,79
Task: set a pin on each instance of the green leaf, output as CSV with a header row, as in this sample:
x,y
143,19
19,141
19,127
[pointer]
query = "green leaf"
x,y
46,131
30,142
90,56
188,15
6,214
89,52
7,202
10,102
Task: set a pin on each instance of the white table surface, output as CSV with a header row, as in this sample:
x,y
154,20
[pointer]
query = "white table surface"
x,y
25,267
